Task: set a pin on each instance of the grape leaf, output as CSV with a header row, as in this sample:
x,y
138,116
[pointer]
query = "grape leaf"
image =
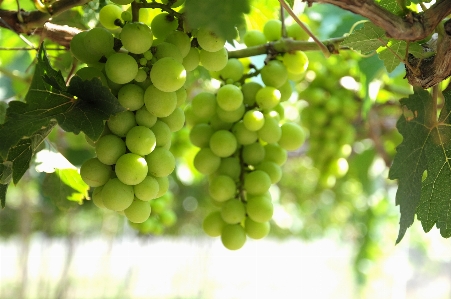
x,y
366,39
390,5
3,188
3,107
221,16
426,148
393,54
290,3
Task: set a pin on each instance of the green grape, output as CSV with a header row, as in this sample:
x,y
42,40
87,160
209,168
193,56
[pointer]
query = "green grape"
x,y
272,30
295,62
163,185
161,162
249,91
79,51
181,40
268,97
200,135
88,73
110,16
144,118
231,167
233,236
270,132
141,76
213,224
109,148
121,68
191,60
253,153
140,140
213,61
243,135
165,49
259,208
230,116
97,197
181,96
254,38
204,104
257,182
206,162
138,211
126,16
222,188
131,169
168,75
233,211
285,91
99,42
293,136
147,189
272,169
253,120
296,32
159,103
163,24
229,97
276,154
168,218
116,195
162,133
136,37
95,173
209,40
120,123
256,230
233,70
223,143
274,73
175,120
158,205
131,97
217,123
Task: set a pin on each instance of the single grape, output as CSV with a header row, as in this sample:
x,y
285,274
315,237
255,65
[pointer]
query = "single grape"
x,y
138,211
116,195
295,62
144,118
168,75
126,16
204,104
209,40
213,61
79,51
163,24
147,189
223,143
162,133
181,96
253,120
274,153
259,208
168,218
163,186
109,148
217,123
257,182
272,169
249,91
95,173
121,123
285,91
243,135
175,120
191,60
121,68
254,38
136,37
231,167
165,49
256,230
206,162
270,132
253,153
233,70
230,116
181,40
97,197
159,103
222,188
88,73
274,73
233,211
268,97
141,76
296,32
110,16
140,140
229,97
213,224
99,42
272,30
131,97
293,136
161,162
131,169
233,236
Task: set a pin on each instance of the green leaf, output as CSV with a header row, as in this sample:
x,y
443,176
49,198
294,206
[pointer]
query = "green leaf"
x,y
393,54
3,107
3,189
221,16
390,5
366,39
290,3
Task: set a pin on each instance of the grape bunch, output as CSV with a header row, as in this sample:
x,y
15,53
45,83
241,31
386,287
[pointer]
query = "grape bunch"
x,y
243,140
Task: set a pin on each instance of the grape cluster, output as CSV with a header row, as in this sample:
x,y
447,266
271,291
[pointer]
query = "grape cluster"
x,y
243,140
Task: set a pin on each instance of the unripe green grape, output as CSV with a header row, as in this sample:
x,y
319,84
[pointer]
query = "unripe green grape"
x,y
163,185
254,38
206,162
272,169
141,76
127,16
120,123
148,55
109,148
230,116
200,135
268,97
159,103
233,211
272,30
191,60
256,230
88,73
204,104
140,140
116,195
222,188
285,91
253,153
274,73
175,120
131,169
253,120
270,132
231,167
168,218
162,133
257,182
249,91
144,118
136,37
229,97
259,208
213,224
243,135
138,211
131,97
163,24
233,236
181,96
223,143
218,124
296,32
191,118
214,61
95,173
147,189
165,49
99,42
121,68
274,153
79,51
161,162
97,197
181,40
295,62
293,136
233,70
209,40
168,75
109,16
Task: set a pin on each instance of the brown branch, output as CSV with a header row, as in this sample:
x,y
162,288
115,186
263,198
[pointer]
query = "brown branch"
x,y
409,28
